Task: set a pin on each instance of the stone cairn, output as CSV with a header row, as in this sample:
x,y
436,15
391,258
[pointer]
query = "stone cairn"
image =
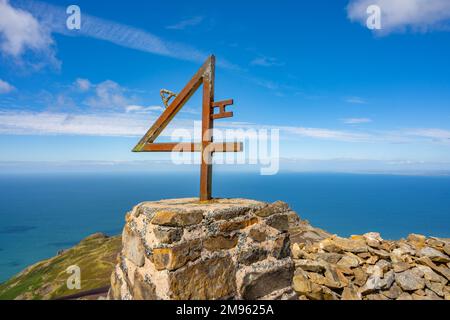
x,y
244,249
222,249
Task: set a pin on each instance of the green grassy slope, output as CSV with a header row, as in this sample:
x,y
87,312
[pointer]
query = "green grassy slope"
x,y
95,255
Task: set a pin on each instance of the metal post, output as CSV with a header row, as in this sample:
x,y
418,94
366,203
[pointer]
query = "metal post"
x,y
207,137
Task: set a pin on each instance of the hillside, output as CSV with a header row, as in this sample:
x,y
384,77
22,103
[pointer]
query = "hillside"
x,y
95,255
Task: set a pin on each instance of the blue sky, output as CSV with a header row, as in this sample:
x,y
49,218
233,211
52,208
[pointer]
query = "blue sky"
x,y
334,88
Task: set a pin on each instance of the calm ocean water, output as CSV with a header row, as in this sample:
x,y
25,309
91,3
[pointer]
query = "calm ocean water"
x,y
41,214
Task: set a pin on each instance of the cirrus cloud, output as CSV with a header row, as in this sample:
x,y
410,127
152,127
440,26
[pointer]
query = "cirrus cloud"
x,y
263,61
355,100
356,120
133,124
143,109
183,24
5,87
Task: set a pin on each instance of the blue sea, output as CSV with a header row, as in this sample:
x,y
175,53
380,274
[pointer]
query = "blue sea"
x,y
41,214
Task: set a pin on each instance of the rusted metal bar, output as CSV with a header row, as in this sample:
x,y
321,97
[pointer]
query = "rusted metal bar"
x,y
222,112
227,147
172,147
207,127
222,115
223,104
193,147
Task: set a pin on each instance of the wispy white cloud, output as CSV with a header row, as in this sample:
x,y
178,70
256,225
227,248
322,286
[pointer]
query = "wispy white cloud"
x,y
108,95
119,124
403,15
5,87
431,133
355,100
50,123
267,84
126,124
83,95
133,124
276,87
183,24
328,134
266,62
20,31
54,18
82,84
356,120
142,109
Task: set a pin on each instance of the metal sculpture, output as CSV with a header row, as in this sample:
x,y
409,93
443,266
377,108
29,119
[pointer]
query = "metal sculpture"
x,y
204,76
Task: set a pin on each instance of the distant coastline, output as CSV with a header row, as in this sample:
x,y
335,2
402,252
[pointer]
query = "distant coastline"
x,y
287,165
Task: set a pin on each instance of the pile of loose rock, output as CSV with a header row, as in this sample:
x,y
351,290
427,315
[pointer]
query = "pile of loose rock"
x,y
369,268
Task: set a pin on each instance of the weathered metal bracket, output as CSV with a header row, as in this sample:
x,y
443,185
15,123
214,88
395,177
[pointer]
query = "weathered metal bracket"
x,y
166,95
205,76
222,113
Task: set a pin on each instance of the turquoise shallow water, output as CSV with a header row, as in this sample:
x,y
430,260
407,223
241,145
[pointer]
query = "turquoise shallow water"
x,y
41,214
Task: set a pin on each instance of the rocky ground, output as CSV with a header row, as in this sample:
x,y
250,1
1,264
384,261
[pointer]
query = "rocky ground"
x,y
367,267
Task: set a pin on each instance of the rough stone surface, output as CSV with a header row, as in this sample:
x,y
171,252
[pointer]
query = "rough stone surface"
x,y
168,235
409,281
220,242
265,277
132,247
368,267
179,218
244,249
350,293
204,280
143,288
434,255
336,244
172,258
183,249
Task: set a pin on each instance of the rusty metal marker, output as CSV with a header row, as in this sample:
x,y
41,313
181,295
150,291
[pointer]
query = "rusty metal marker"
x,y
205,77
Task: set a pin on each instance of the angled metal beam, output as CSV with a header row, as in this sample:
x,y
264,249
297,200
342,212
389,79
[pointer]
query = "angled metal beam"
x,y
175,106
172,147
193,147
